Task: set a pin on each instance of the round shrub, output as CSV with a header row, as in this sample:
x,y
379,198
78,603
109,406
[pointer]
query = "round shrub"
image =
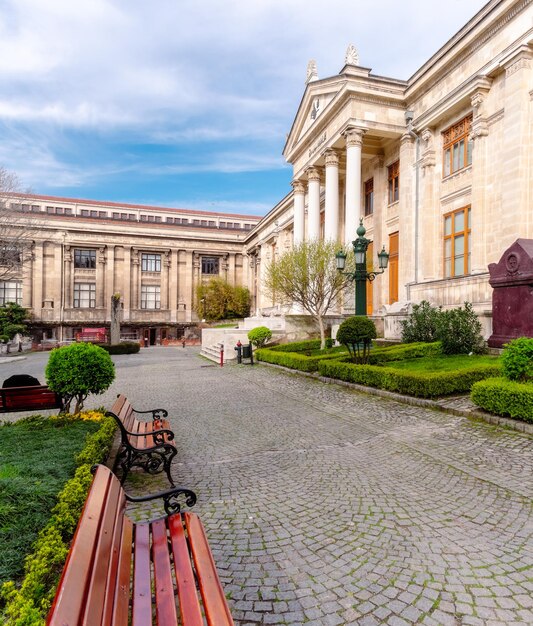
x,y
259,336
356,333
124,347
77,370
517,360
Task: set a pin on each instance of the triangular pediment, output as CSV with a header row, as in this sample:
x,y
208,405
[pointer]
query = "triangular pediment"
x,y
316,100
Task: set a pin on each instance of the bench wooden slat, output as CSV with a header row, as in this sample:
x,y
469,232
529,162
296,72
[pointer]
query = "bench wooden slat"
x,y
187,594
122,591
104,572
142,593
78,566
216,609
165,602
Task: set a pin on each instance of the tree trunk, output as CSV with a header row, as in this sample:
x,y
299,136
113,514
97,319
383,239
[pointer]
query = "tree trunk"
x,y
322,331
115,319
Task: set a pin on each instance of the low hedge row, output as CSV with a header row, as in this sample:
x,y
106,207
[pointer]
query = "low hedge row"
x,y
504,397
293,360
125,347
29,604
423,385
298,346
404,351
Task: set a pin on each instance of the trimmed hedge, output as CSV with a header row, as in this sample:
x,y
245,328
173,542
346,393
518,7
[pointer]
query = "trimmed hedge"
x,y
125,347
423,385
293,360
504,397
298,346
403,352
29,604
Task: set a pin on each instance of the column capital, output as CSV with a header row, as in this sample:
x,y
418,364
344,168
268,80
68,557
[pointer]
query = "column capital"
x,y
354,136
313,174
298,185
332,157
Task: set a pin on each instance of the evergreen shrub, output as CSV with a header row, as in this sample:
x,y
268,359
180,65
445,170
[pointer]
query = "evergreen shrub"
x,y
504,397
517,360
259,336
356,333
124,347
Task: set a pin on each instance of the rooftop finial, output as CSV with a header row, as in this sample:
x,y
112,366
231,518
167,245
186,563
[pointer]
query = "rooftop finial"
x,y
352,56
312,72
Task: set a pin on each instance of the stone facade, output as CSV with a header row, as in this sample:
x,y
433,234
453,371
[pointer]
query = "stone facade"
x,y
438,167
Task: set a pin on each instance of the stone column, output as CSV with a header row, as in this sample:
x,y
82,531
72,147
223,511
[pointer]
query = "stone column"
x,y
100,273
38,281
67,277
313,217
135,279
28,277
109,278
478,134
299,211
331,225
165,269
352,210
173,286
126,284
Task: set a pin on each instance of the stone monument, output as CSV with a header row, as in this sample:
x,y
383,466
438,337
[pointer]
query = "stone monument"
x,y
512,298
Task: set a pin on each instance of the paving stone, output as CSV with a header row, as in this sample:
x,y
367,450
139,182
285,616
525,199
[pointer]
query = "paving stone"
x,y
313,493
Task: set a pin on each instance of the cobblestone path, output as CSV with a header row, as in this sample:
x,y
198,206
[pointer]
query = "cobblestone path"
x,y
324,506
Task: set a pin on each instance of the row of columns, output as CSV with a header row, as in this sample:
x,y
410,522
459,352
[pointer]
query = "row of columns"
x,y
352,209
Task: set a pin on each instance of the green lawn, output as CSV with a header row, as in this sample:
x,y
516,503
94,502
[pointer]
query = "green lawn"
x,y
443,363
36,459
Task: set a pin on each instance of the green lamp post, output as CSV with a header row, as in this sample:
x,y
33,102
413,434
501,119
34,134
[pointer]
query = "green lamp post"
x,y
361,275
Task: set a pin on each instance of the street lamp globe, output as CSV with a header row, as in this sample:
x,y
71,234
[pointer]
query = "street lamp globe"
x,y
383,259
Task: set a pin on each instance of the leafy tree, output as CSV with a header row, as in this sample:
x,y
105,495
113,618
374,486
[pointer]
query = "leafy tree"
x,y
77,370
218,300
356,333
12,321
307,276
259,336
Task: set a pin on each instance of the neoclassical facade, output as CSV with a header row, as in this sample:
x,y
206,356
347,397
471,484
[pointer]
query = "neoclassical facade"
x,y
439,167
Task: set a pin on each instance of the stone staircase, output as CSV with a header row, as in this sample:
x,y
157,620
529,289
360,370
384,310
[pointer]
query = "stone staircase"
x,y
213,352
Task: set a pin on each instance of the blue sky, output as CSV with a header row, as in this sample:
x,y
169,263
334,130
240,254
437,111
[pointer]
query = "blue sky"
x,y
181,103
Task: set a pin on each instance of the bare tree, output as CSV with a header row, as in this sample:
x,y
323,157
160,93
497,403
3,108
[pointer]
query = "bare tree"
x,y
17,227
307,276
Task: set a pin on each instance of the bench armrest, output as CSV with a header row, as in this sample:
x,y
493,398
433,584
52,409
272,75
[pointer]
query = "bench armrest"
x,y
158,435
157,414
171,497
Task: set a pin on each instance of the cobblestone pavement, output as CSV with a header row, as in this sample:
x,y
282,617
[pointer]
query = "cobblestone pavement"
x,y
325,506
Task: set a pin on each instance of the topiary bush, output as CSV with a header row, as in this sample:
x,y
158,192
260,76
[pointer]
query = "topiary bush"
x,y
517,360
259,336
422,324
78,370
124,347
459,331
356,333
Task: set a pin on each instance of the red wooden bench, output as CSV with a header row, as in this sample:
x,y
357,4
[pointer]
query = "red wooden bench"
x,y
119,572
28,398
146,444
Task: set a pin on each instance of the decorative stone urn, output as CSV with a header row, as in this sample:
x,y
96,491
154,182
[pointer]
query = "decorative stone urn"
x,y
512,298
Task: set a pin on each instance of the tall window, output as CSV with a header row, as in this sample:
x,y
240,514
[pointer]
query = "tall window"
x,y
84,295
209,265
85,259
151,262
457,147
457,243
369,196
394,182
10,291
394,250
150,297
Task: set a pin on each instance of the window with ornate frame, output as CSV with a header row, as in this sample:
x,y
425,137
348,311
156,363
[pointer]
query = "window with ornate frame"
x,y
394,181
210,265
456,147
10,291
369,196
84,259
84,296
457,243
150,262
150,297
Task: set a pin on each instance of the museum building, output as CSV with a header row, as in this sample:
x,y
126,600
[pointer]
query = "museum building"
x,y
439,167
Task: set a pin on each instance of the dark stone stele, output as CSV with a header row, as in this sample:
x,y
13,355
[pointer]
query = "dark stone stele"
x,y
512,298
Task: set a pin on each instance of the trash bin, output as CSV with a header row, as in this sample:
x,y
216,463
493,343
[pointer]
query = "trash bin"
x,y
247,351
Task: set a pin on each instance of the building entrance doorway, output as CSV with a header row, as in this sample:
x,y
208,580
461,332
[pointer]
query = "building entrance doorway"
x,y
150,336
